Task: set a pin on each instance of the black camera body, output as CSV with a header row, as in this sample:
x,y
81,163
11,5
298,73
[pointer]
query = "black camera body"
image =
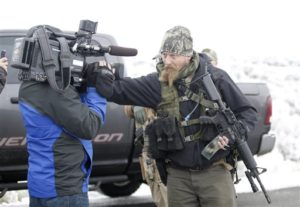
x,y
47,54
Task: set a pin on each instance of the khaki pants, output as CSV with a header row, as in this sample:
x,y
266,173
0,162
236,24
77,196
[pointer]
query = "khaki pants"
x,y
212,187
151,176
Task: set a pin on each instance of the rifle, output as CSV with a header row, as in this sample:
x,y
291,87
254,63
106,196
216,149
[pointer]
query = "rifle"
x,y
227,124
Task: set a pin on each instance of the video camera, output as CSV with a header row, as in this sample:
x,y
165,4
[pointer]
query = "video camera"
x,y
48,54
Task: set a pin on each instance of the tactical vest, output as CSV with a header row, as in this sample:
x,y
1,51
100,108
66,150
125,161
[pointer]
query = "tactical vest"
x,y
171,101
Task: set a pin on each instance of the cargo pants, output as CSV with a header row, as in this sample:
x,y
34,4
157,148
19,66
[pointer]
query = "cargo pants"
x,y
211,187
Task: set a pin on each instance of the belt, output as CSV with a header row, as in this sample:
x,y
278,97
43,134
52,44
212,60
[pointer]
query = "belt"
x,y
200,168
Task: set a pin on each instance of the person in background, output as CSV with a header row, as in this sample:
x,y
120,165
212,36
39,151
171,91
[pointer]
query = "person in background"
x,y
3,72
150,172
212,55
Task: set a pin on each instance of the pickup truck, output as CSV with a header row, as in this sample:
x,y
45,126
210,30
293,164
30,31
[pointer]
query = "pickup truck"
x,y
116,170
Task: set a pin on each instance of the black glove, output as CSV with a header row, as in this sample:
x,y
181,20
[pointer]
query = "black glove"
x,y
100,75
91,74
104,82
90,78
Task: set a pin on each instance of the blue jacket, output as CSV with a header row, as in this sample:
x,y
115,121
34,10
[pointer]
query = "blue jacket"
x,y
59,129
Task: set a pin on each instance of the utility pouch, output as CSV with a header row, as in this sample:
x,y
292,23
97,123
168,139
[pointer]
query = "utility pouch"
x,y
164,136
161,138
167,133
153,151
171,134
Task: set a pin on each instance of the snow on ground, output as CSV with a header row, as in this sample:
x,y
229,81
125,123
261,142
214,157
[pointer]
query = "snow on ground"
x,y
282,77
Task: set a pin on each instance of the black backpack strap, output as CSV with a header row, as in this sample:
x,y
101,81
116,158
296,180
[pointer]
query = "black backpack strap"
x,y
48,60
65,61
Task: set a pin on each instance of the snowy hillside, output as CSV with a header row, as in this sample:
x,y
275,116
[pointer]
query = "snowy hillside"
x,y
283,78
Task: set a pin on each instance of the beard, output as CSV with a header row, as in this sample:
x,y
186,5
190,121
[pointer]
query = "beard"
x,y
169,74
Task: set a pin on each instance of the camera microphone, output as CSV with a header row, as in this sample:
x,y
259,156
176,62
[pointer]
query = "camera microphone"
x,y
121,51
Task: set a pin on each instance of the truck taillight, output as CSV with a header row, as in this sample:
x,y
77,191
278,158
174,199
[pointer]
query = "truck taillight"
x,y
269,110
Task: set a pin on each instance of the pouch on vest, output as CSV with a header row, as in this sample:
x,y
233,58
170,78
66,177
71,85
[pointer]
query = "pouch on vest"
x,y
164,136
153,149
169,137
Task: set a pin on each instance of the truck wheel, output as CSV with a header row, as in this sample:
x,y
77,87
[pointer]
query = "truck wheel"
x,y
118,189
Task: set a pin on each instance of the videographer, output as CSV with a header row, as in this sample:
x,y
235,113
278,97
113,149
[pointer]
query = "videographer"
x,y
59,129
3,72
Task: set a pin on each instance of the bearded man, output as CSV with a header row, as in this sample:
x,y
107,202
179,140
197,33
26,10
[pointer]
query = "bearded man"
x,y
176,135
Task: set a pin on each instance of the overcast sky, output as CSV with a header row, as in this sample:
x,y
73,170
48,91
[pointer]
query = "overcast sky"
x,y
232,27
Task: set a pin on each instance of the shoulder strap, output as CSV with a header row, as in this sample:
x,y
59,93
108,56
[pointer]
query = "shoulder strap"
x,y
49,63
65,61
189,94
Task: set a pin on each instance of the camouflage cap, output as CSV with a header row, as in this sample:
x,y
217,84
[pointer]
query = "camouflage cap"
x,y
177,40
211,54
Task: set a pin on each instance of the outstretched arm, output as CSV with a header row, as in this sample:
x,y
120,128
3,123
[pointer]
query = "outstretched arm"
x,y
143,91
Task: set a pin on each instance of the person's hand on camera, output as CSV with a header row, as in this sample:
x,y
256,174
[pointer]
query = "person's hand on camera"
x,y
91,75
105,79
4,63
100,75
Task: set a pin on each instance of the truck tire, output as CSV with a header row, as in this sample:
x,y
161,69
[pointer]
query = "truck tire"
x,y
118,189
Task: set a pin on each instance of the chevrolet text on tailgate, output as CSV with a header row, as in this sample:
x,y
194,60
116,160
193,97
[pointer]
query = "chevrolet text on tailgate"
x,y
116,170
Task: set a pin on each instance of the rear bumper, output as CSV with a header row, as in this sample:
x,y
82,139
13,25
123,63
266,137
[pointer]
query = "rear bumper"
x,y
267,144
